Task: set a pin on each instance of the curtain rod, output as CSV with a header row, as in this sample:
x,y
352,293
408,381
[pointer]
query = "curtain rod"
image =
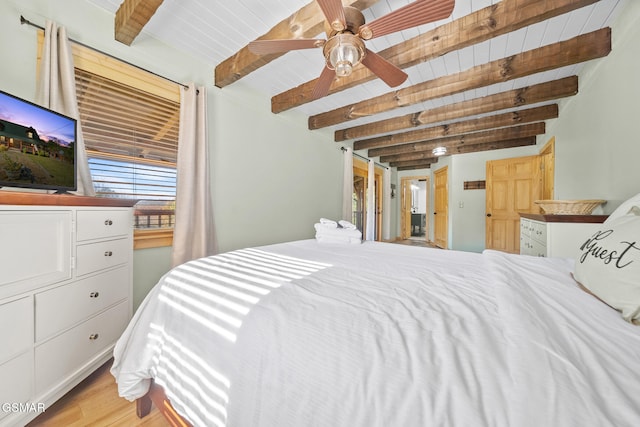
x,y
23,21
365,158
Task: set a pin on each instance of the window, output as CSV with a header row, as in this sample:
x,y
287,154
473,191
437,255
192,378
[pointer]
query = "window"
x,y
130,121
131,138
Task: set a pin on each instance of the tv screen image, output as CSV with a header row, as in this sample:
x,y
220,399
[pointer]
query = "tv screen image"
x,y
37,146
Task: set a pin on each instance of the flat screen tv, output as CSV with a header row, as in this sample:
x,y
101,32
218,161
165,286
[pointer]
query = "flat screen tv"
x,y
37,146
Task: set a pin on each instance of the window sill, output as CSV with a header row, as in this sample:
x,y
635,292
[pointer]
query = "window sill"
x,y
145,239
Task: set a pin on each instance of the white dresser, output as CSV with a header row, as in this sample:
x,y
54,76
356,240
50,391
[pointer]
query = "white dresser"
x,y
65,294
556,235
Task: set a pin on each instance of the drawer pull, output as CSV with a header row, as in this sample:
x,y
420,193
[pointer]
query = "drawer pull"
x,y
93,337
108,253
94,294
108,222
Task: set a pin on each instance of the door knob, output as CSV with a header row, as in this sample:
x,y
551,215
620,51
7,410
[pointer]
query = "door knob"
x,y
488,215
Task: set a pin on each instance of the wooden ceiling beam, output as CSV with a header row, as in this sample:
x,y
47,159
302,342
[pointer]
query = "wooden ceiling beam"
x,y
415,164
542,92
512,118
410,168
453,142
492,21
132,16
405,159
596,44
404,166
307,22
423,156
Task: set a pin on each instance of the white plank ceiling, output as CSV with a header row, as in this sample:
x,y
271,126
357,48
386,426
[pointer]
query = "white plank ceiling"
x,y
215,30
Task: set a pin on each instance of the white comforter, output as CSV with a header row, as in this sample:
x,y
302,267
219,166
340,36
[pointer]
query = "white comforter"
x,y
304,334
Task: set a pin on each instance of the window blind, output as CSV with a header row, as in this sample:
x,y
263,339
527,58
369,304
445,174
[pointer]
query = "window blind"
x,y
123,120
131,136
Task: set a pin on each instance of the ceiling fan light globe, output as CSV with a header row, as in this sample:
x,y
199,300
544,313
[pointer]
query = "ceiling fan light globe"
x,y
344,54
343,69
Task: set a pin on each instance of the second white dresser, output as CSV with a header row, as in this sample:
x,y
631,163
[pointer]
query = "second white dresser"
x,y
556,235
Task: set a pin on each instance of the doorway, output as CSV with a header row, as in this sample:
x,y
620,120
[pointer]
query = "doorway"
x,y
414,203
359,200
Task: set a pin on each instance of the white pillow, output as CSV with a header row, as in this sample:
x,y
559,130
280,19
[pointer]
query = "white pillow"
x,y
624,208
608,264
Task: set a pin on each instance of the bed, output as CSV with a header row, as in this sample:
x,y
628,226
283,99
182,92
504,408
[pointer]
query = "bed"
x,y
379,334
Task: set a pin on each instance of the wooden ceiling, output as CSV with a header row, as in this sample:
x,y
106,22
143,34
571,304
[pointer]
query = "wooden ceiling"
x,y
453,118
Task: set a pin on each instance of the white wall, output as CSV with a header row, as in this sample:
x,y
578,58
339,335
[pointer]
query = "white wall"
x,y
597,133
276,178
272,178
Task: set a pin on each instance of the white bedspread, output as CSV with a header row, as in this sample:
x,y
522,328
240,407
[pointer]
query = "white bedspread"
x,y
303,334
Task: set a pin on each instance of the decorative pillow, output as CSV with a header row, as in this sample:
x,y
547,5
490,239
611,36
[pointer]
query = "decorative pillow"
x,y
624,208
608,264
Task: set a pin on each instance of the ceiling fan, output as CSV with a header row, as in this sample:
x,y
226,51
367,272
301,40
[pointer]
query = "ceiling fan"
x,y
346,34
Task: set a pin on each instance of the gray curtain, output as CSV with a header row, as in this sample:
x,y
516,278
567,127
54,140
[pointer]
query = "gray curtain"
x,y
56,90
193,232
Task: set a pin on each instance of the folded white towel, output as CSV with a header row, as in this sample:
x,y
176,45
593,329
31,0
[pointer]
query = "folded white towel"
x,y
346,224
324,227
329,222
327,234
323,230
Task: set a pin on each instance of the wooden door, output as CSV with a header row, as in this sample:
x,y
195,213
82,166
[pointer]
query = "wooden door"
x,y
547,165
441,208
512,185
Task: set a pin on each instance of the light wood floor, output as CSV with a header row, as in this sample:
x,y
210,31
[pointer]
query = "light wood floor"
x,y
95,402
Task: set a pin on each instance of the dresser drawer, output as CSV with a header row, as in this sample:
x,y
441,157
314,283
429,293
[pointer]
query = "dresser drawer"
x,y
69,352
16,328
64,306
100,224
35,249
538,249
539,232
100,255
17,380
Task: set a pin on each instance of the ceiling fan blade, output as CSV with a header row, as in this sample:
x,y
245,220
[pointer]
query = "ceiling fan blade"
x,y
417,13
324,83
389,73
263,47
334,12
